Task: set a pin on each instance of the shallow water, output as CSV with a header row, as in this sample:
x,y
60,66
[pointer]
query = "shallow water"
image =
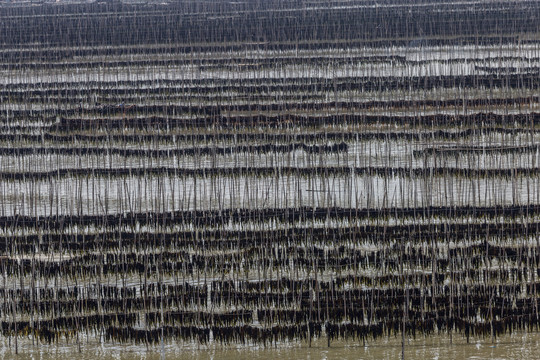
x,y
517,346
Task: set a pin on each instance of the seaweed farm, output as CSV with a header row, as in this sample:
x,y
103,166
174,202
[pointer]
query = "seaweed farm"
x,y
268,174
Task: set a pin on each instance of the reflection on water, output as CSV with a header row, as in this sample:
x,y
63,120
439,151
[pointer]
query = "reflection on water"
x,y
521,346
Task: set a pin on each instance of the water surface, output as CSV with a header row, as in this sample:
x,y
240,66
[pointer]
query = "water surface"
x,y
522,346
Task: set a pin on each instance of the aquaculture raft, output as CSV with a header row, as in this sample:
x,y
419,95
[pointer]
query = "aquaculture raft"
x,y
268,172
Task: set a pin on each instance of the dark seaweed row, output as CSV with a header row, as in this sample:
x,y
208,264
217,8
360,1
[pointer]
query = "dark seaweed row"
x,y
154,123
232,63
290,101
268,335
502,318
98,291
271,303
45,54
291,215
246,63
63,323
230,240
273,171
286,120
69,298
257,86
84,266
507,69
221,239
468,149
211,138
217,150
58,308
206,319
224,335
74,269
